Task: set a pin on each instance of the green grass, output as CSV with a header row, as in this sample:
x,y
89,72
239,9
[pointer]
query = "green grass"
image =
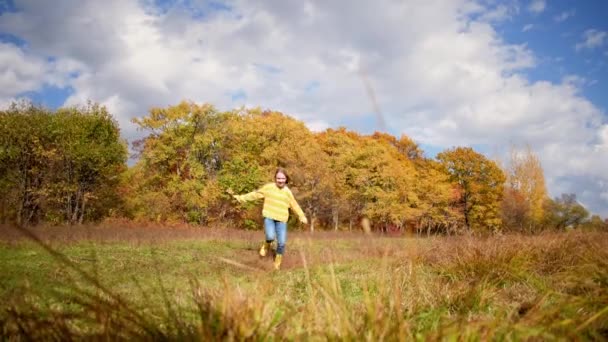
x,y
113,282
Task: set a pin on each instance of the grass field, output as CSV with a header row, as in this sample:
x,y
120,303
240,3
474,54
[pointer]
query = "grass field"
x,y
123,282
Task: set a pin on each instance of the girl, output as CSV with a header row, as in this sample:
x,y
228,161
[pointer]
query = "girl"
x,y
277,201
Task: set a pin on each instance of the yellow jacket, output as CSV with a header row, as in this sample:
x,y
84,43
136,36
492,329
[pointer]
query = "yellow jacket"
x,y
277,202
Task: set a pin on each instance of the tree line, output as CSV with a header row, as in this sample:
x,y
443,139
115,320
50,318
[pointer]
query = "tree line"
x,y
58,166
70,166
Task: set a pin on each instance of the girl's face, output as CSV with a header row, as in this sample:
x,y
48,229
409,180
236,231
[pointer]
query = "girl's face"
x,y
280,179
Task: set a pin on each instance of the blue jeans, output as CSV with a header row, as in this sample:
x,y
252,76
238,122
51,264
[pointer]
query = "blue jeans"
x,y
278,229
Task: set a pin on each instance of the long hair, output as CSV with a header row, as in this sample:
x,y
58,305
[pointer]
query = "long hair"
x,y
281,170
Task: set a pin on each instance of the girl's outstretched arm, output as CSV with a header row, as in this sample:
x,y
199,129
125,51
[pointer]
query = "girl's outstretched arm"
x,y
252,196
296,207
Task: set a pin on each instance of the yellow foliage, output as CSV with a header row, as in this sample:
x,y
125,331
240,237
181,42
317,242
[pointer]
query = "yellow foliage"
x,y
526,184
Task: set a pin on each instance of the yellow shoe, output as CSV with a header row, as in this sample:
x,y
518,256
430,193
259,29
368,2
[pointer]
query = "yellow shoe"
x,y
277,261
264,249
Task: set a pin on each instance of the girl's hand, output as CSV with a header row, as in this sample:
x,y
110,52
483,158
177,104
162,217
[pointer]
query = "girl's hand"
x,y
232,195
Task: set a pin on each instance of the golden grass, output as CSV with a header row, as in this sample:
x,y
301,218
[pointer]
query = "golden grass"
x,y
333,286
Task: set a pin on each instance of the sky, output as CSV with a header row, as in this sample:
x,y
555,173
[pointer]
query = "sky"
x,y
487,74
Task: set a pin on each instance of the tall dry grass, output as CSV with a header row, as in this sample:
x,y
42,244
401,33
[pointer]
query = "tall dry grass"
x,y
512,287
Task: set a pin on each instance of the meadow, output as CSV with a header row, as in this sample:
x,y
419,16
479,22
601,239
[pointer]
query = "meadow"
x,y
121,281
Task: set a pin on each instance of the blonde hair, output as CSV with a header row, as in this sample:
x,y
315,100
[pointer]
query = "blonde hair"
x,y
281,170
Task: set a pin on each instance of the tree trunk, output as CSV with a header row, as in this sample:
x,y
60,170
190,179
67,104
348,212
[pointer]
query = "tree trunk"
x,y
336,219
366,225
32,213
68,206
19,213
466,212
22,200
84,202
74,217
3,211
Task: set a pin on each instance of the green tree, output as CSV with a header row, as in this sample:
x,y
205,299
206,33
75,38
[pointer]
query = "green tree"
x,y
26,151
91,156
59,166
564,212
596,223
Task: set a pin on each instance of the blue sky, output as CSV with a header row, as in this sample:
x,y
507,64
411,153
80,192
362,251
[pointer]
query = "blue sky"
x,y
553,35
482,73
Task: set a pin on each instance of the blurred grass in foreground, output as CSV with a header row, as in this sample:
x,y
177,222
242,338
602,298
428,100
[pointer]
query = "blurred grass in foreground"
x,y
192,284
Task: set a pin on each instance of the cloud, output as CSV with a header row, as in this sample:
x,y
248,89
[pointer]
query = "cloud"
x,y
19,72
527,27
537,6
22,71
592,39
564,16
499,13
439,71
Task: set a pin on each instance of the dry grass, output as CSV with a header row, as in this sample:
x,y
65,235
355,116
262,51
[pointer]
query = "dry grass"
x,y
332,286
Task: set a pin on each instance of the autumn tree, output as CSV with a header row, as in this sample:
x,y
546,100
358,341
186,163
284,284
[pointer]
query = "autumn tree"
x,y
195,153
405,146
331,145
437,199
92,155
347,168
525,191
180,160
371,176
394,198
430,195
260,141
25,155
480,182
59,166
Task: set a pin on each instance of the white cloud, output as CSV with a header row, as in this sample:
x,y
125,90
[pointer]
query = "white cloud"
x,y
19,72
564,16
527,27
439,71
22,71
592,39
499,13
575,80
537,6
